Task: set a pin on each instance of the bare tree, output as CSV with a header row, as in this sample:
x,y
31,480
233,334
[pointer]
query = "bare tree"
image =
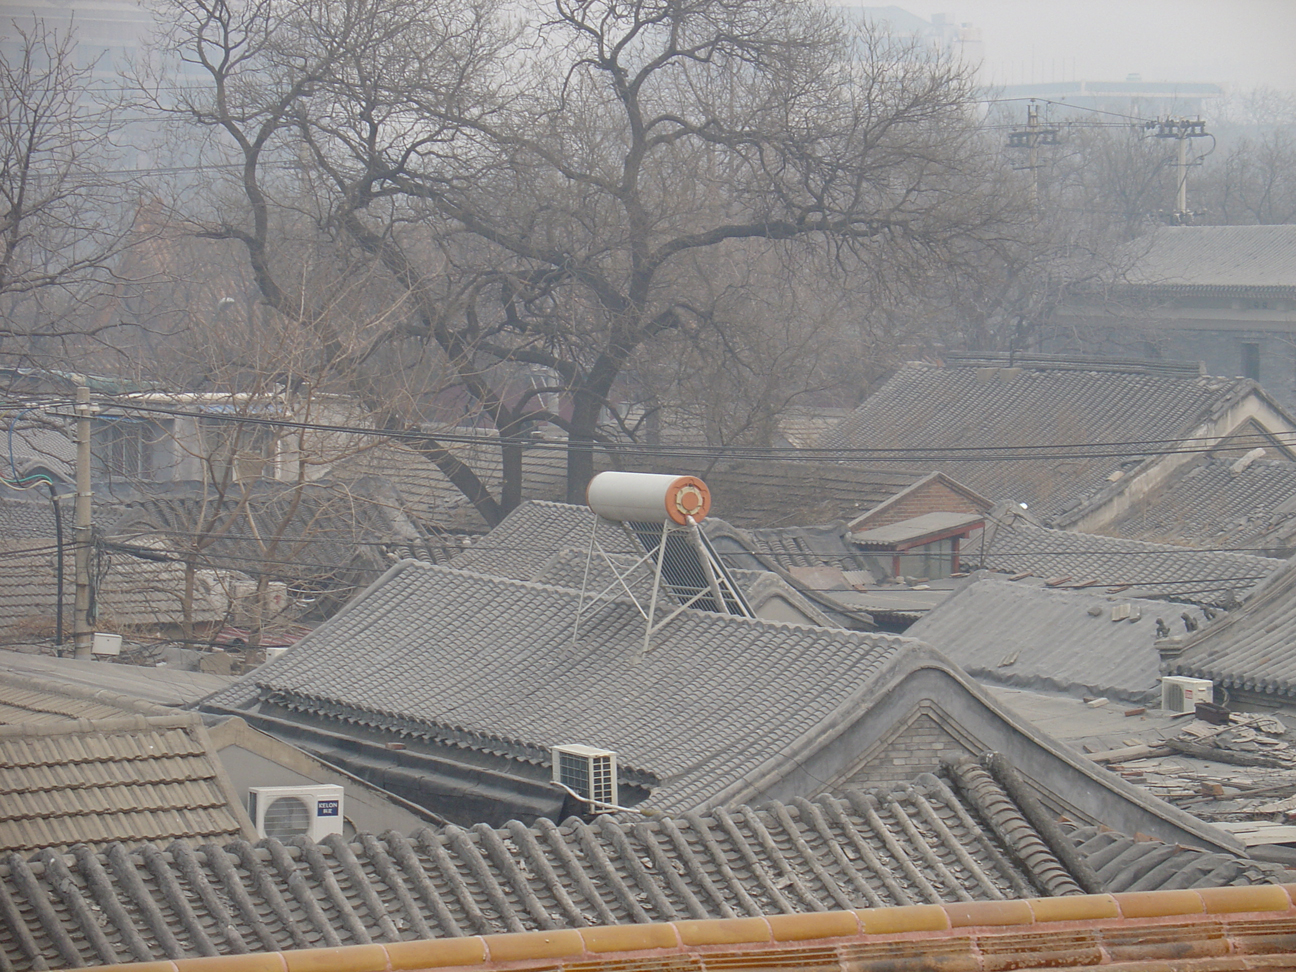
x,y
542,200
63,216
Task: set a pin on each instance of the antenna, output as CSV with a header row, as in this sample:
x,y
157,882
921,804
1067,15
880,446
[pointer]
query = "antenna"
x,y
661,514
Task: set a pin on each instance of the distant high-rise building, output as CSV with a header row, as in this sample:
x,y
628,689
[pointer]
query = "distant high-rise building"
x,y
961,40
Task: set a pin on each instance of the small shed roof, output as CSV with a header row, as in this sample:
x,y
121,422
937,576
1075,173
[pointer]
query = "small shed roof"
x,y
918,528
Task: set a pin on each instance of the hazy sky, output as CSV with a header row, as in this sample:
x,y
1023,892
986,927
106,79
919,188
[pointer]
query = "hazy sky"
x,y
1240,43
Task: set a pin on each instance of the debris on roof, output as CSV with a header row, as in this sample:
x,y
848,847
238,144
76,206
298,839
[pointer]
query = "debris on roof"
x,y
1248,653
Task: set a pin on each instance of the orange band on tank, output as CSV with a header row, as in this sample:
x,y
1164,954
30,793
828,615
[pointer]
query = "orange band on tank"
x,y
687,496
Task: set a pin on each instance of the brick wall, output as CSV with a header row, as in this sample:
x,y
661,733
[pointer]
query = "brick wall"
x,y
933,497
918,747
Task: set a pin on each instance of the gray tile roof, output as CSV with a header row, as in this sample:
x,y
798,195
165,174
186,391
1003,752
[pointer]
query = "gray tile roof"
x,y
927,842
27,700
29,519
1160,571
715,699
133,592
753,493
1213,503
325,538
129,779
1021,634
1250,649
1128,864
133,684
425,494
523,544
39,447
996,401
1219,256
788,547
548,543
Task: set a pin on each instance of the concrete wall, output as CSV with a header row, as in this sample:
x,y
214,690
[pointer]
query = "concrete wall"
x,y
1207,329
252,758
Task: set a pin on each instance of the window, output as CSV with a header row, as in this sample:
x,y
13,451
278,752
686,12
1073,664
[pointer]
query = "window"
x,y
126,449
235,452
928,561
1251,361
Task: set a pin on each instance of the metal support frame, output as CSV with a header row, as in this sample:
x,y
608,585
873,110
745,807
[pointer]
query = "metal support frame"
x,y
717,582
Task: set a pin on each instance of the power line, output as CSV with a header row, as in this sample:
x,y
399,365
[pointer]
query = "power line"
x,y
1111,449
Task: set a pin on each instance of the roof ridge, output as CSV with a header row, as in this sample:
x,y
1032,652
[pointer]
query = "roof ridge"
x,y
99,726
1032,361
129,703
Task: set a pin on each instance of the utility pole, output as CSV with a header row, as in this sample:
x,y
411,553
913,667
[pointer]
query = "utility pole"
x,y
1031,139
1183,131
82,635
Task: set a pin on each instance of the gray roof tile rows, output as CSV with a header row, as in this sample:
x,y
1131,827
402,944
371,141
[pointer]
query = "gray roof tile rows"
x,y
1014,545
1252,648
130,688
27,519
548,543
1218,256
424,493
38,447
26,701
522,546
788,547
132,779
1021,634
922,843
760,493
993,402
324,537
380,656
1212,503
1127,864
132,592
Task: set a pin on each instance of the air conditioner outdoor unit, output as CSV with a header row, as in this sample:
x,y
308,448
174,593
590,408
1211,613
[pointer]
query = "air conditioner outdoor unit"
x,y
314,811
590,773
1181,694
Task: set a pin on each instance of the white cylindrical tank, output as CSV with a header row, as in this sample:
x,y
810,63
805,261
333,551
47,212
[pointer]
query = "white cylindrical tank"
x,y
648,497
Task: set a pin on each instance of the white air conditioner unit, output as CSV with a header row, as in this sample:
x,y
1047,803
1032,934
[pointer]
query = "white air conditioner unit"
x,y
590,773
313,811
1181,694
